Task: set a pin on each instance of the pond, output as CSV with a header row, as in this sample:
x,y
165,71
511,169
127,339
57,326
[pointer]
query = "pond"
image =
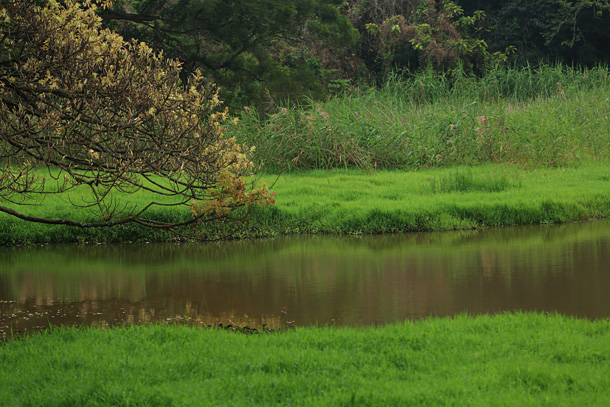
x,y
310,280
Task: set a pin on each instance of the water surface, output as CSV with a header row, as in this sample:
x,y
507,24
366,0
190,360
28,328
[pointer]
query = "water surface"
x,y
310,280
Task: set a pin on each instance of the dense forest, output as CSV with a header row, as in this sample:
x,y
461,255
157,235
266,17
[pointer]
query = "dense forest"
x,y
265,53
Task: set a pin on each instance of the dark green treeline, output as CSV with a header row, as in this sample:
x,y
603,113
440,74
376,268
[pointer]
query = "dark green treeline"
x,y
265,53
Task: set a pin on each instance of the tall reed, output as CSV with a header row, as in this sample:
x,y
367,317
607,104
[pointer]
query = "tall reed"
x,y
544,116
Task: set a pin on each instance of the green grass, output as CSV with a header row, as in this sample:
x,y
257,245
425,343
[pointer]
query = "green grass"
x,y
550,116
504,360
383,201
442,199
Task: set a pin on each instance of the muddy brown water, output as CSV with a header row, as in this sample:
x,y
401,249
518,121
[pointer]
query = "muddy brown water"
x,y
310,280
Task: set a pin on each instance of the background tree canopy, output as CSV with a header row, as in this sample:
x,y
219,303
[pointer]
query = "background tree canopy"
x,y
272,51
570,31
253,49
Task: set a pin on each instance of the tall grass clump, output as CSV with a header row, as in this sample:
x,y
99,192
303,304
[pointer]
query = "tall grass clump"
x,y
464,180
544,116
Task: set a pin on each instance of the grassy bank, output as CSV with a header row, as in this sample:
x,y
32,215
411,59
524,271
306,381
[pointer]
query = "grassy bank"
x,y
443,199
427,153
357,201
504,360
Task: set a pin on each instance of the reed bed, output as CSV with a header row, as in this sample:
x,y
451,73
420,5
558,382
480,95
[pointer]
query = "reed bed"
x,y
545,116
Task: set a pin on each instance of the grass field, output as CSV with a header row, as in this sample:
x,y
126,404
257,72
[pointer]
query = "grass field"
x,y
359,201
441,199
504,360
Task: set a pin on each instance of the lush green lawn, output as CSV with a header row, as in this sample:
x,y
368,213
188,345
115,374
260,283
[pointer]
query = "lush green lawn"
x,y
442,199
359,201
505,360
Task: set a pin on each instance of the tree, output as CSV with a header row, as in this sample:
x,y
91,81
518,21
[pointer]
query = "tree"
x,y
109,117
416,34
570,31
251,48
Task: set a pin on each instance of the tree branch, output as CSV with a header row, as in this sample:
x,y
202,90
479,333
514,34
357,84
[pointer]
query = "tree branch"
x,y
136,18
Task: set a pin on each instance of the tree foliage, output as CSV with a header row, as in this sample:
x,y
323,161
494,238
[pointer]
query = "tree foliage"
x,y
111,117
276,50
570,31
416,34
251,48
